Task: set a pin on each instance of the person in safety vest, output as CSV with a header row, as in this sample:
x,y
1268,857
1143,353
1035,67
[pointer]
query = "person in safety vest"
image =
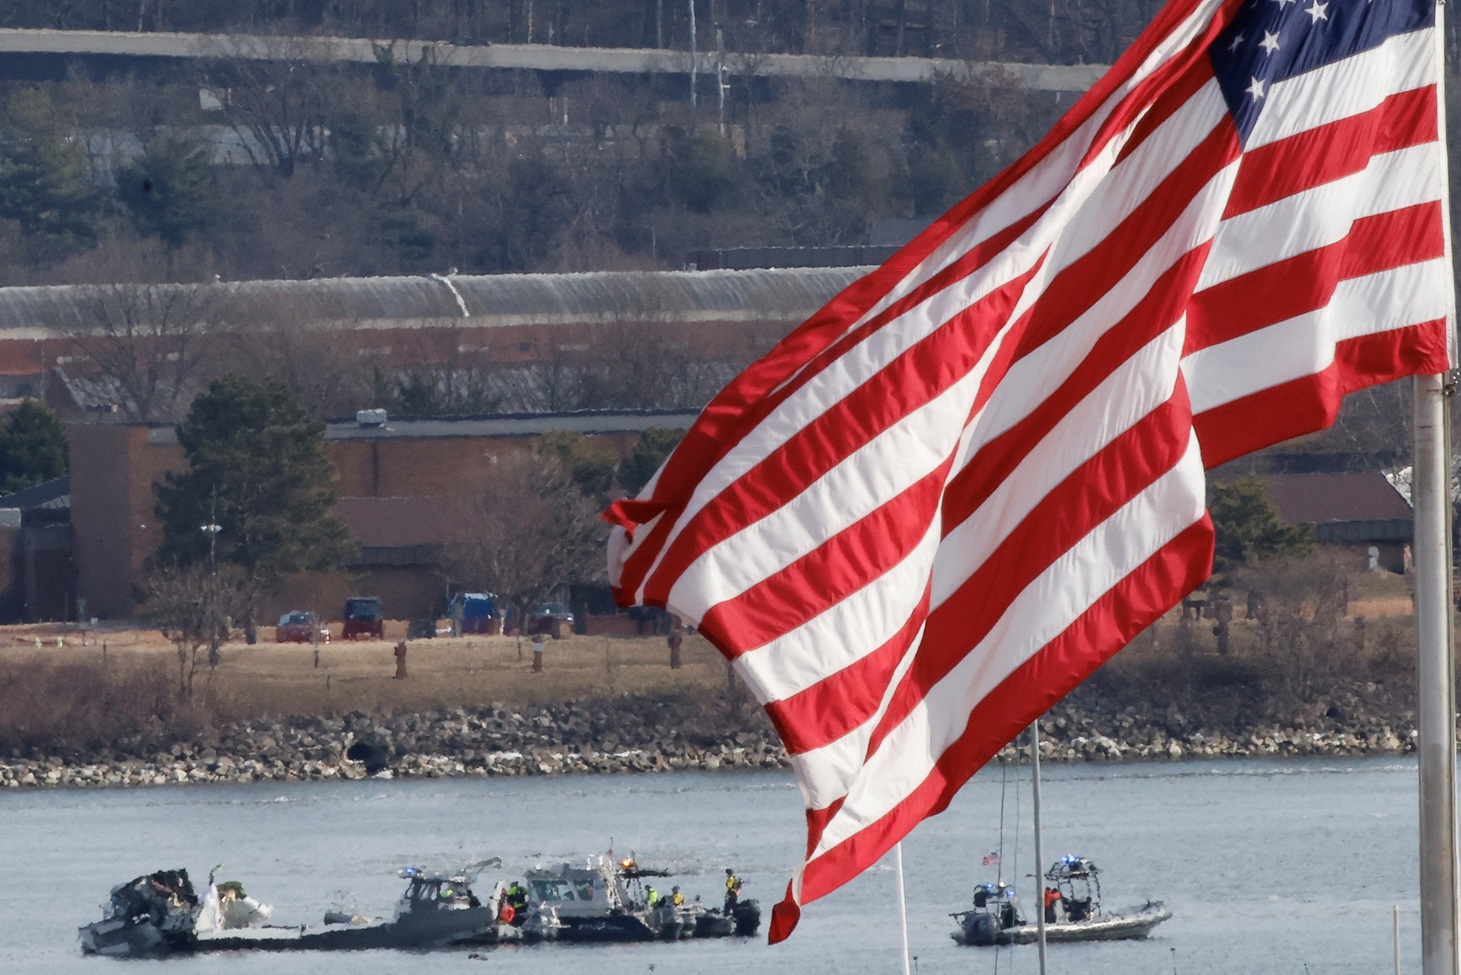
x,y
732,889
517,899
676,898
1052,898
651,896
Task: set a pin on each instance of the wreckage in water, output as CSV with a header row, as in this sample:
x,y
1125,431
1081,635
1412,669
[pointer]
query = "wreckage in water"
x,y
161,914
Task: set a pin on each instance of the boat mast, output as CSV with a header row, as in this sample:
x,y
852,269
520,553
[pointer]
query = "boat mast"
x,y
1039,853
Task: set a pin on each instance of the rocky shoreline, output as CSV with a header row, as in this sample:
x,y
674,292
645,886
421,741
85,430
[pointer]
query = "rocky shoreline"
x,y
660,735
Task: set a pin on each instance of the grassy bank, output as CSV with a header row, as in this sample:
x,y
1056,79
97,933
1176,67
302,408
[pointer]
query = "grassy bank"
x,y
117,689
122,685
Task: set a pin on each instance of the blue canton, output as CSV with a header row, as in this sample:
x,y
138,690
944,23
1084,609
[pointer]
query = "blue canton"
x,y
1271,40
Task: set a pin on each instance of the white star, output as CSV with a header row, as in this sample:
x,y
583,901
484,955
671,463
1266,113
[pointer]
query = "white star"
x,y
1317,11
1285,3
1269,42
1236,41
1255,89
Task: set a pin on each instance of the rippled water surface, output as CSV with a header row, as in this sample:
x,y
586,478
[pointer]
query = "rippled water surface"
x,y
1289,867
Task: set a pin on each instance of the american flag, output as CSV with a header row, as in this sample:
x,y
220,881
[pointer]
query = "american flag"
x,y
943,501
991,858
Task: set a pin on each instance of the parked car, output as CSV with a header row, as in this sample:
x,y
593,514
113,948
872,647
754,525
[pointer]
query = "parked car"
x,y
551,618
363,618
473,612
298,626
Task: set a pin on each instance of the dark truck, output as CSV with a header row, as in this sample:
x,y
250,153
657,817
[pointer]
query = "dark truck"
x,y
363,618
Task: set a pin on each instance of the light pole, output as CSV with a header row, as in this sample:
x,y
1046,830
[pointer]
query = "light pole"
x,y
212,528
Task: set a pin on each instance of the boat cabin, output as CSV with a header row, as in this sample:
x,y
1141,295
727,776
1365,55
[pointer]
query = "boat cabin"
x,y
434,892
1077,881
593,889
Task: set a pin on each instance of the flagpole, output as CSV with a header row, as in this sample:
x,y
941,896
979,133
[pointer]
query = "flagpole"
x,y
902,902
1440,903
1039,852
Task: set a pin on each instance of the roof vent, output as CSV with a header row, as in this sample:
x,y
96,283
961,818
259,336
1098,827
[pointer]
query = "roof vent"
x,y
370,418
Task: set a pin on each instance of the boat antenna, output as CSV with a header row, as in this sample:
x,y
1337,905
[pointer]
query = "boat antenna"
x,y
1003,780
1174,961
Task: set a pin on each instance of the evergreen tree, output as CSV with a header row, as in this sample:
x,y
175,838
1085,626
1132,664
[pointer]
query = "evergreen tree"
x,y
257,468
44,184
655,444
32,447
171,190
1248,526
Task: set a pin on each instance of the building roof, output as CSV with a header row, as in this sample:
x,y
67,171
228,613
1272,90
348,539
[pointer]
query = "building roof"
x,y
1316,499
55,493
773,294
587,422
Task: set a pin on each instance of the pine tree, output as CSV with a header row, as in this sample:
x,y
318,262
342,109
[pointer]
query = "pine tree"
x,y
32,447
257,469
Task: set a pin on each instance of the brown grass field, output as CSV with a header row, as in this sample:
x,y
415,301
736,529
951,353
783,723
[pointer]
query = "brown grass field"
x,y
284,678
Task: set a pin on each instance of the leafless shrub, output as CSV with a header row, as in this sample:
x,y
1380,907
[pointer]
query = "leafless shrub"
x,y
194,607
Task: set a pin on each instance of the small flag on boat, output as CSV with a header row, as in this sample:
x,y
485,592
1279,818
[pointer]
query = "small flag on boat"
x,y
991,859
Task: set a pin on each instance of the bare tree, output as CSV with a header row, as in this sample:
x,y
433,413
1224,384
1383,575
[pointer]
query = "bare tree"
x,y
276,97
193,607
533,532
1300,603
151,344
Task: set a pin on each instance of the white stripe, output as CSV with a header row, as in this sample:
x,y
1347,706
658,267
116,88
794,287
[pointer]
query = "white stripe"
x,y
1038,615
1145,382
885,467
1304,345
844,633
1346,87
825,774
1140,385
1028,383
1323,215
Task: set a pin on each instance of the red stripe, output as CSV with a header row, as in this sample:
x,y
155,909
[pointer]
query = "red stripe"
x,y
1078,287
998,459
909,382
1093,493
1312,402
1128,608
830,573
1306,282
1329,152
841,701
765,386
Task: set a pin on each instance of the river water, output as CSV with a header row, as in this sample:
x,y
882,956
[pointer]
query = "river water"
x,y
1288,867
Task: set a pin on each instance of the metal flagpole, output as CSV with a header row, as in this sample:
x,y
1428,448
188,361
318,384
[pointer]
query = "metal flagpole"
x,y
1440,872
902,902
1039,852
1440,916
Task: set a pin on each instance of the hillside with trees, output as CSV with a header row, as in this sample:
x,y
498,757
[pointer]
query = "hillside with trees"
x,y
293,168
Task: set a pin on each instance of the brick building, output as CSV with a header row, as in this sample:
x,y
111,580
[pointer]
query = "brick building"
x,y
406,488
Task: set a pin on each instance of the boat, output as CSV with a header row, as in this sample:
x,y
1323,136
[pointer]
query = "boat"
x,y
604,900
1073,913
161,914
